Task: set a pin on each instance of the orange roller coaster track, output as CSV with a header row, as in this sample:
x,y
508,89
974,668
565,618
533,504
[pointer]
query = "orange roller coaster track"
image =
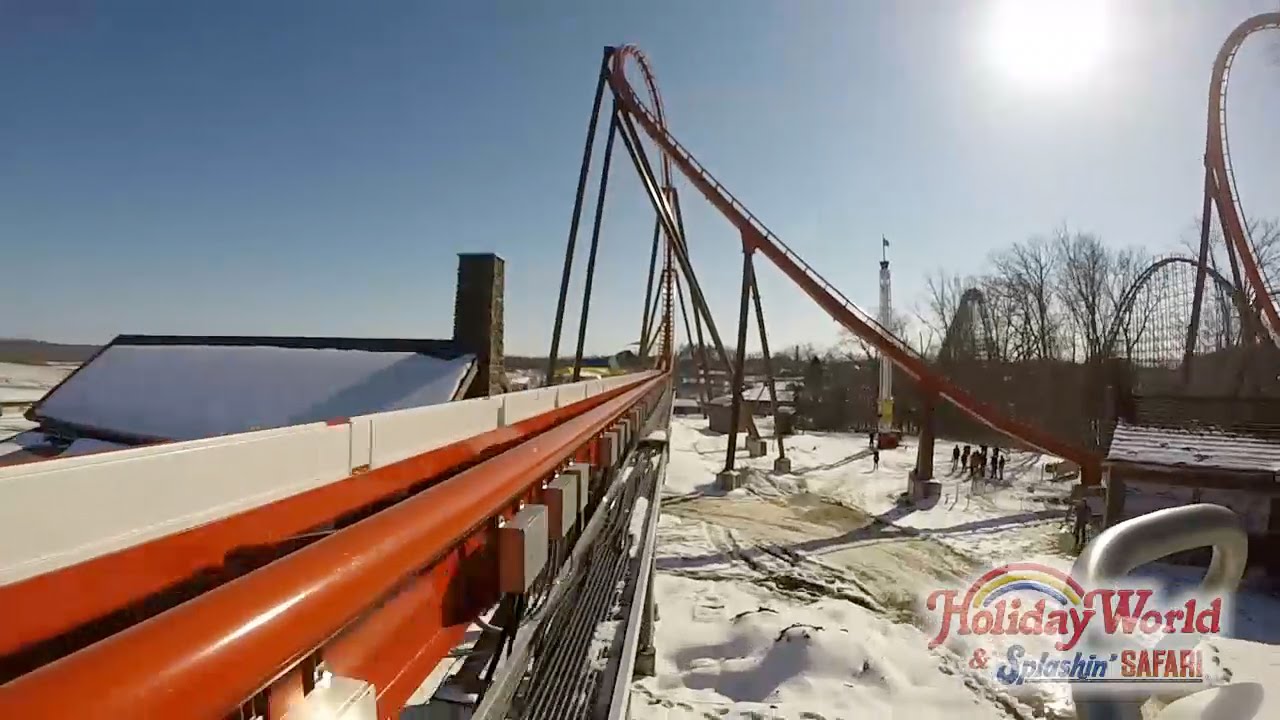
x,y
381,600
1220,188
757,237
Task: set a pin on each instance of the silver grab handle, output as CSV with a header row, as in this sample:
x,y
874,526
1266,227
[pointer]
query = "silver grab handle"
x,y
1122,548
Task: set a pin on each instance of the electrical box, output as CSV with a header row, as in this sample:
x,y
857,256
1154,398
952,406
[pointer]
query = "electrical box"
x,y
610,448
581,472
522,549
561,497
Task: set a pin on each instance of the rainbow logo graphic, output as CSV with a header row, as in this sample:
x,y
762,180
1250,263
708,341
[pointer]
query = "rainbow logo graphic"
x,y
1016,577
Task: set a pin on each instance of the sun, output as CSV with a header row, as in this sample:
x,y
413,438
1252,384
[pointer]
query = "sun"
x,y
1048,43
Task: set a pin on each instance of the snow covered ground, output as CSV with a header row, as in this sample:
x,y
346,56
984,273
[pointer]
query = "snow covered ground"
x,y
25,383
797,595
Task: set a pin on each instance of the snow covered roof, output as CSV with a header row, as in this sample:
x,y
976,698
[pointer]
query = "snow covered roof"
x,y
146,388
1203,448
760,393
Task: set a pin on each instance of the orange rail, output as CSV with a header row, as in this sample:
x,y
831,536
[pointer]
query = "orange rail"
x,y
756,236
382,600
56,613
1218,159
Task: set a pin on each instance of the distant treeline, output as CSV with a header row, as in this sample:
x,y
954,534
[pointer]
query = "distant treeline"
x,y
36,352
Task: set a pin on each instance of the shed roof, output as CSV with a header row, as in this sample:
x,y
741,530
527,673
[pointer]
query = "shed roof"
x,y
759,393
146,388
1200,448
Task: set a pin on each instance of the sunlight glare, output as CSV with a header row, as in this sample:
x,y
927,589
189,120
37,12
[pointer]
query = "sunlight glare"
x,y
1048,43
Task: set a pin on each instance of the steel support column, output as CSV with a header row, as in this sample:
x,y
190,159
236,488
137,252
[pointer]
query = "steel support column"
x,y
928,423
698,359
595,245
648,288
740,359
768,365
705,368
570,246
662,205
1193,329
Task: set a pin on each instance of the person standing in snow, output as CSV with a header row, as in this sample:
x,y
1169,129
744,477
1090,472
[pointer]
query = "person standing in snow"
x,y
964,458
875,459
955,457
1081,530
1002,467
871,438
995,459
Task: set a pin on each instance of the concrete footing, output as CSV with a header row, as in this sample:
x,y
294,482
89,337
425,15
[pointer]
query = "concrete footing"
x,y
924,490
646,662
757,447
782,465
728,480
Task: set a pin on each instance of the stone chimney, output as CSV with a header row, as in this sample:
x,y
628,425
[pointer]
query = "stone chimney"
x,y
477,319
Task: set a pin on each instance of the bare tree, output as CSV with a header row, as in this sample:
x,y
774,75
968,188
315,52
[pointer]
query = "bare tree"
x,y
1221,325
942,301
1129,324
1264,233
851,347
1028,270
1092,279
1004,306
1082,283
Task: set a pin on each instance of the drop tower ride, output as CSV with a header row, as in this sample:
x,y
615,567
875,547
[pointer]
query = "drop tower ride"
x,y
884,406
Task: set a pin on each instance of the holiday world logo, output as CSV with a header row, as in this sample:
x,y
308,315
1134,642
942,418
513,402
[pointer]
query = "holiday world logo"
x,y
1030,623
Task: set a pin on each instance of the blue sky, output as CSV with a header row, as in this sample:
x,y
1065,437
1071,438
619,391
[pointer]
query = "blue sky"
x,y
314,167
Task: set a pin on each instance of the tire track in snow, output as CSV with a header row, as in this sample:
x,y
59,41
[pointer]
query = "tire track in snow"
x,y
738,533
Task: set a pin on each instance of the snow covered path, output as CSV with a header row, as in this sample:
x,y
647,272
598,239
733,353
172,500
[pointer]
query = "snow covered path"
x,y
734,649
796,596
805,541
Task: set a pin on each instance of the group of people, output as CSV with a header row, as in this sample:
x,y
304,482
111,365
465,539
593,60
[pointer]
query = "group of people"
x,y
978,463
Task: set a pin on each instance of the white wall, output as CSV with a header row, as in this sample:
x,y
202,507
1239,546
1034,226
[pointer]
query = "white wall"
x,y
63,511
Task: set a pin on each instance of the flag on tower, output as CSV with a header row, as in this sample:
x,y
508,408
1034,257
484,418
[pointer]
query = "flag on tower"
x,y
885,240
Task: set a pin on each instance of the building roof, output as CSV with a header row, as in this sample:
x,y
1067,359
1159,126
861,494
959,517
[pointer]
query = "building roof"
x,y
148,388
1201,448
760,393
